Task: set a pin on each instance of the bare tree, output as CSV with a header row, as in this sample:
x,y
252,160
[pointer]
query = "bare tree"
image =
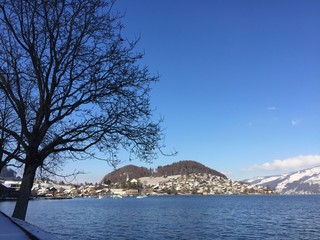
x,y
74,85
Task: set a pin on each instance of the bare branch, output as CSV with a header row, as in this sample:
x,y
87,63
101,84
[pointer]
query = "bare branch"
x,y
74,85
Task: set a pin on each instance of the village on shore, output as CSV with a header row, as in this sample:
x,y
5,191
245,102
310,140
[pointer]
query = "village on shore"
x,y
196,183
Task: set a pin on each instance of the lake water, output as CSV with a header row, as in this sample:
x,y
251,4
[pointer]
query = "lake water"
x,y
178,217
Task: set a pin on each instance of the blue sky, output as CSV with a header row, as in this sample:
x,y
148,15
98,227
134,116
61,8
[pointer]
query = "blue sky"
x,y
239,82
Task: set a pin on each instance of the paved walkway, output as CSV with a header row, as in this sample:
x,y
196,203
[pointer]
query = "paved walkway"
x,y
9,230
16,229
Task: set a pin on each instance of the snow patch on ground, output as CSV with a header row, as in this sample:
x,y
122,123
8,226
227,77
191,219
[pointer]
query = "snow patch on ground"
x,y
157,180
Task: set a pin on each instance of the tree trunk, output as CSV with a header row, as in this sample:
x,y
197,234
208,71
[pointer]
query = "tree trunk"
x,y
2,164
20,209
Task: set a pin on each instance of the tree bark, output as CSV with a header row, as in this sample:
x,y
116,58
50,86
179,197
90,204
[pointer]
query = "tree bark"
x,y
20,209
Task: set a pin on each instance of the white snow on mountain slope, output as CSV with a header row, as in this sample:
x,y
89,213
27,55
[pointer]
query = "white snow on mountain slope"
x,y
305,181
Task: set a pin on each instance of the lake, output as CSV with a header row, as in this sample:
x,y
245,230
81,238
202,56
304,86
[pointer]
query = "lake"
x,y
178,217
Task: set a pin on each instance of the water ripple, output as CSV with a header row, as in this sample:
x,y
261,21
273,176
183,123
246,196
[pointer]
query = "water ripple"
x,y
179,217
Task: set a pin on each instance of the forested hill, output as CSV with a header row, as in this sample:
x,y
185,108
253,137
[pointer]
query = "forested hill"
x,y
129,171
178,168
186,167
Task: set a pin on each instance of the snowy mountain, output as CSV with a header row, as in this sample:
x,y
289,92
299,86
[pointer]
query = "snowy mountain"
x,y
301,182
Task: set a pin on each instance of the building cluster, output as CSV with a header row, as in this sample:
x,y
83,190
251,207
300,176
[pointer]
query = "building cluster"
x,y
50,189
9,189
204,184
59,190
200,183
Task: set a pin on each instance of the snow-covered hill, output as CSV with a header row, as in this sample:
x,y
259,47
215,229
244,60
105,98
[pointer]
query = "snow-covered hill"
x,y
301,182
